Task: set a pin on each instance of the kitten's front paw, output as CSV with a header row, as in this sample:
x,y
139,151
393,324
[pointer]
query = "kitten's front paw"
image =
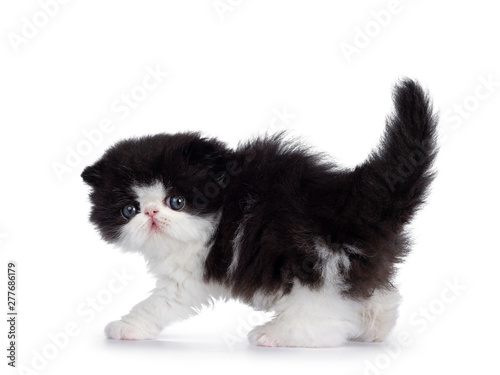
x,y
120,330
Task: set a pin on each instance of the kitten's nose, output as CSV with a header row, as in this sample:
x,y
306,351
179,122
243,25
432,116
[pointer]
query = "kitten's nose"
x,y
151,211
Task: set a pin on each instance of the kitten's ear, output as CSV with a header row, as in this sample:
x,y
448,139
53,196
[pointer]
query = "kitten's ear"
x,y
204,151
93,175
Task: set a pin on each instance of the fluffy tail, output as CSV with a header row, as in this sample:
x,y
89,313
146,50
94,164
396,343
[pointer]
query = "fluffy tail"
x,y
394,180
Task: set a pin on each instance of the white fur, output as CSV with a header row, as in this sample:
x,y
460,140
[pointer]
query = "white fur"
x,y
379,315
325,318
237,246
176,228
306,318
240,232
176,253
333,262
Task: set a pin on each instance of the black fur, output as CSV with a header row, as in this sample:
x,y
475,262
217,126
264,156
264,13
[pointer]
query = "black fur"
x,y
181,161
288,198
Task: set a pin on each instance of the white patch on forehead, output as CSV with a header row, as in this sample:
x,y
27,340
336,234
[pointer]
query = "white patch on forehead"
x,y
152,193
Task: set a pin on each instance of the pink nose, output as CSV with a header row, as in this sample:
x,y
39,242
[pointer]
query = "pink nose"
x,y
151,211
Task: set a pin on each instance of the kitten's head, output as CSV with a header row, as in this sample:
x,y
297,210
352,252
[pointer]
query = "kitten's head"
x,y
149,192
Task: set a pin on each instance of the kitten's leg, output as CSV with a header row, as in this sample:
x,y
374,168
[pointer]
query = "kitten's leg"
x,y
379,315
288,331
308,318
168,303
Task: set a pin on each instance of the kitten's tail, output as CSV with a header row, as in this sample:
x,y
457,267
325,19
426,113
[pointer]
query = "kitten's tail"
x,y
396,176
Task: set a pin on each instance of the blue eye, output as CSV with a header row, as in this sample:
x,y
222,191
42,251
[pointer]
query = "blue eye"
x,y
129,211
176,202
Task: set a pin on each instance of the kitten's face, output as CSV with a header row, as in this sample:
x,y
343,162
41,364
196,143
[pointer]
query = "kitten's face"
x,y
157,217
147,192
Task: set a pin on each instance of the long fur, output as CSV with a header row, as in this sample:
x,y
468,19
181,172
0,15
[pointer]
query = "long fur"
x,y
272,224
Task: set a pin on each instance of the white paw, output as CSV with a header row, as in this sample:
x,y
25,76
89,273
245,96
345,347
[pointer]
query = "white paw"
x,y
120,330
258,338
281,335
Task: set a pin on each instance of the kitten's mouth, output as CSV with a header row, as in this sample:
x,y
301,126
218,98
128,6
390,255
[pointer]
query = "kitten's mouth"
x,y
154,227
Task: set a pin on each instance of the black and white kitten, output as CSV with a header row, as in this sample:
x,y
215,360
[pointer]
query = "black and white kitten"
x,y
271,224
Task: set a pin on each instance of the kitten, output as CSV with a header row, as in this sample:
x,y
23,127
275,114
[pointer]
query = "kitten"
x,y
271,224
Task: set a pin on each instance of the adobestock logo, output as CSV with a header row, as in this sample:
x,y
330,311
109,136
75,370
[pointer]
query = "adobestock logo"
x,y
31,26
420,320
364,35
3,237
219,181
244,326
407,165
57,342
454,117
222,7
280,120
121,107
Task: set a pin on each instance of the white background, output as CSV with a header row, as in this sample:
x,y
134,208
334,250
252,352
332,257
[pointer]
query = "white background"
x,y
230,71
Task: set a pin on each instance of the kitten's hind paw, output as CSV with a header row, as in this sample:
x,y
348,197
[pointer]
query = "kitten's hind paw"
x,y
261,339
120,330
289,334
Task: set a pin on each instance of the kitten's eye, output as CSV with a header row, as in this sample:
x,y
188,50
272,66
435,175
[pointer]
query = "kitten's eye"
x,y
129,211
176,202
